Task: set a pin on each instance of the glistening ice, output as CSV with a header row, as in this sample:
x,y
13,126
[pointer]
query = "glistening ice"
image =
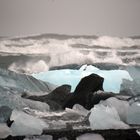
x,y
112,78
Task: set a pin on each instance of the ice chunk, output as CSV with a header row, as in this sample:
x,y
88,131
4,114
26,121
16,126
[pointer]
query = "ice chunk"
x,y
80,109
90,136
112,78
23,82
14,101
120,105
134,113
25,124
105,117
5,113
138,132
4,130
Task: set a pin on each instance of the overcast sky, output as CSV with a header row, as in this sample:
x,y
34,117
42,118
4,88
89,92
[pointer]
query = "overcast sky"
x,y
87,17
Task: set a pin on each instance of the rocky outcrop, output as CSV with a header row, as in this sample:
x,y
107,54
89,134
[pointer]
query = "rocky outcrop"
x,y
56,99
84,94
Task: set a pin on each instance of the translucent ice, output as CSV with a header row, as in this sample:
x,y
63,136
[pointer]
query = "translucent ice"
x,y
112,78
4,130
25,124
134,113
105,117
120,106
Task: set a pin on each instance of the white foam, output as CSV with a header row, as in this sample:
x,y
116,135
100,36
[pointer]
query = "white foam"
x,y
114,42
30,67
68,51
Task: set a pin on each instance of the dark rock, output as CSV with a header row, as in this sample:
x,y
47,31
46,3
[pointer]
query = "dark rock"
x,y
90,83
83,93
14,138
56,99
88,101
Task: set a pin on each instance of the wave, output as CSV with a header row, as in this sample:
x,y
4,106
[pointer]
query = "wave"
x,y
44,52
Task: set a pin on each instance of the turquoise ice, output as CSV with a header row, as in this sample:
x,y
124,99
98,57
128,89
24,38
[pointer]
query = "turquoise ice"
x,y
112,78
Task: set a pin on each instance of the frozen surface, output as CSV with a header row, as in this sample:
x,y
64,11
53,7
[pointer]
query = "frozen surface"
x,y
90,137
25,124
5,113
115,113
4,130
59,119
134,113
112,82
23,82
105,117
14,101
80,109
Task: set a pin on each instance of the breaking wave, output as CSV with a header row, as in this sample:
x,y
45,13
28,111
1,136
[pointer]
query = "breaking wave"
x,y
46,52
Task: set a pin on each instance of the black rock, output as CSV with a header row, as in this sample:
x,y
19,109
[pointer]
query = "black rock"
x,y
56,99
83,93
90,83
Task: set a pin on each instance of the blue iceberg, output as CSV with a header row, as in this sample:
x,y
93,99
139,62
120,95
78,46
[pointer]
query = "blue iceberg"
x,y
112,78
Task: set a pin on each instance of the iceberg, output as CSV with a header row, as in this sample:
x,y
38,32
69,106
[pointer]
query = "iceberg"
x,y
112,78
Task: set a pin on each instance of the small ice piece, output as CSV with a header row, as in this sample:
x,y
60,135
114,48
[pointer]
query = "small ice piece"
x,y
25,124
90,136
80,109
138,132
134,114
105,117
4,130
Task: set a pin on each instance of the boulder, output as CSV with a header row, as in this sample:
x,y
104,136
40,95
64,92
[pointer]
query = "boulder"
x,y
90,83
56,99
84,92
